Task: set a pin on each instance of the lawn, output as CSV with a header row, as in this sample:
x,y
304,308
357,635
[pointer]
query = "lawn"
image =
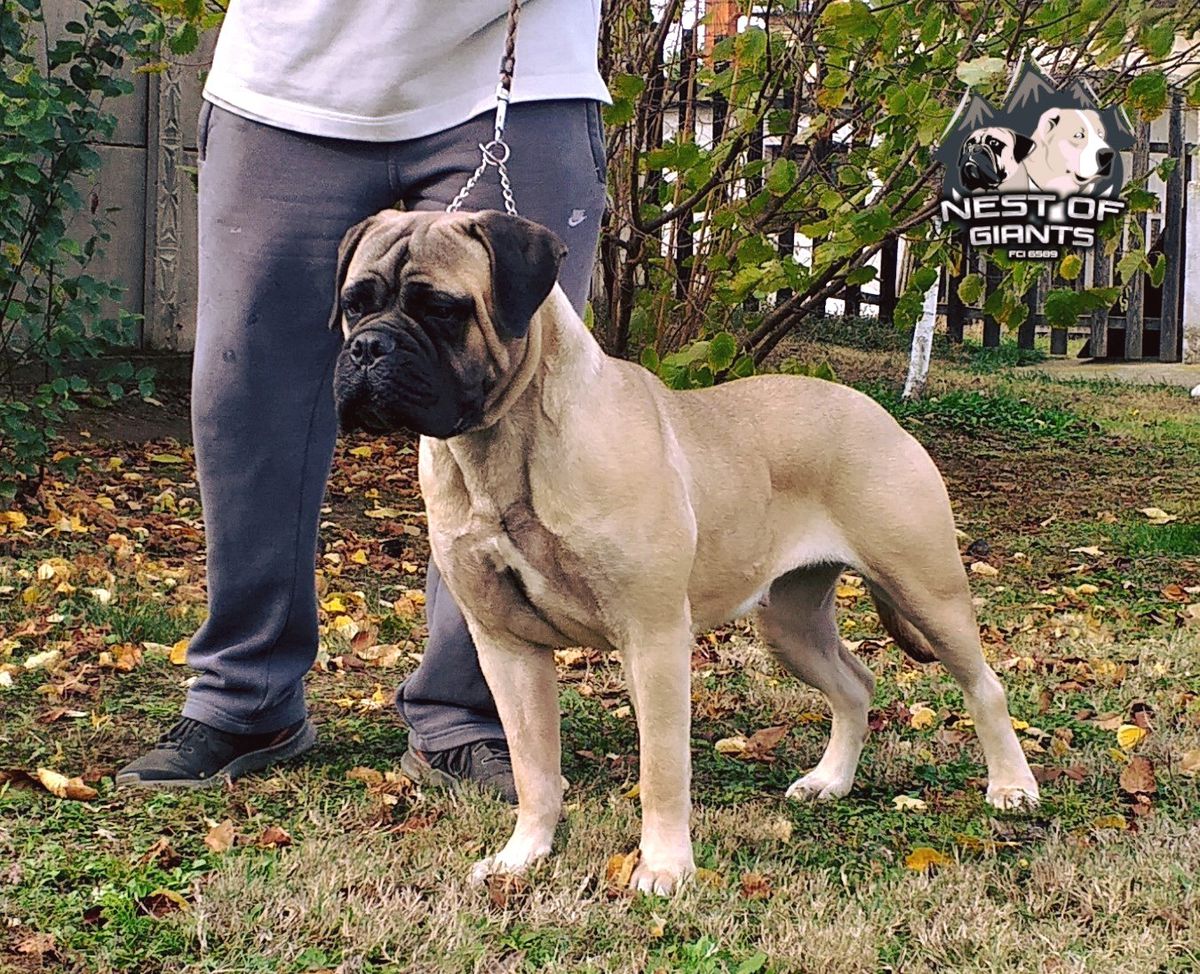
x,y
1080,521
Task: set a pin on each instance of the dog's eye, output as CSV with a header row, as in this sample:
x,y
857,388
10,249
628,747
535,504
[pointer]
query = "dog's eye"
x,y
353,308
363,297
1079,134
444,310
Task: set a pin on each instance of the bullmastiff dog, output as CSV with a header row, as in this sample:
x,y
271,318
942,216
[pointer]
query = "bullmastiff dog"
x,y
990,156
573,500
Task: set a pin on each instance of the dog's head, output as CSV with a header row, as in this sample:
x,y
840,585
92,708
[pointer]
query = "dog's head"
x,y
435,310
1072,153
989,156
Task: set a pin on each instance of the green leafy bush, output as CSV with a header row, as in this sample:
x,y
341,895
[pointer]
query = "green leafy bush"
x,y
53,94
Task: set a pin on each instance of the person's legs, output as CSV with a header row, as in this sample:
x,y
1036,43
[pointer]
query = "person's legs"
x,y
273,207
557,172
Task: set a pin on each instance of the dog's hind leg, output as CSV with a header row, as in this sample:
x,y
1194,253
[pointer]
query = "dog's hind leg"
x,y
925,603
799,624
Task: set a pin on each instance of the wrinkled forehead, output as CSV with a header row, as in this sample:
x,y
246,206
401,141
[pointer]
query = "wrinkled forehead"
x,y
435,248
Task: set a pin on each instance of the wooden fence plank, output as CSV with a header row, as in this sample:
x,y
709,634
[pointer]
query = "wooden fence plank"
x,y
1169,344
1101,277
1137,287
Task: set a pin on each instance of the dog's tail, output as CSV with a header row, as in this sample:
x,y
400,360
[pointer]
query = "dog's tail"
x,y
907,636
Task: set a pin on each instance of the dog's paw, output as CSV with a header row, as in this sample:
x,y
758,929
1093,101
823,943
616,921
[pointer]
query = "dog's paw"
x,y
661,877
1014,798
506,862
818,787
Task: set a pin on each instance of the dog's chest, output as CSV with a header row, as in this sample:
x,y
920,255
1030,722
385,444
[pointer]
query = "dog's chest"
x,y
516,575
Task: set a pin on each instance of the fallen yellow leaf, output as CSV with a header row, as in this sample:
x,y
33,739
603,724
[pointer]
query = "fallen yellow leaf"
x,y
12,519
1190,762
1129,735
619,868
221,837
921,718
61,786
179,652
922,858
1156,515
731,745
43,659
170,894
906,803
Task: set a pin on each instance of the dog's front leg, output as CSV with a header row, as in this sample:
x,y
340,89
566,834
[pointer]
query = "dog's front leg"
x,y
658,669
525,686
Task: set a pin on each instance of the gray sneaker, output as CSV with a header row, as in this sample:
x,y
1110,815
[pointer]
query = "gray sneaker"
x,y
195,755
483,763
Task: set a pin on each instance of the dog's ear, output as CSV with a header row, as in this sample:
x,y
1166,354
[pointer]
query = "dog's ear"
x,y
525,257
1022,146
346,248
1048,120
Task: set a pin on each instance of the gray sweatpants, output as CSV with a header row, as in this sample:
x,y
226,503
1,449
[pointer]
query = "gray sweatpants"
x,y
273,206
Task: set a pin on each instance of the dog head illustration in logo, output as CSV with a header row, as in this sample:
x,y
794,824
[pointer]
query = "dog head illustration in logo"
x,y
991,156
1070,152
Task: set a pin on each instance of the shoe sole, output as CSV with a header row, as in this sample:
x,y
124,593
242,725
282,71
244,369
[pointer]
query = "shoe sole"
x,y
427,774
303,740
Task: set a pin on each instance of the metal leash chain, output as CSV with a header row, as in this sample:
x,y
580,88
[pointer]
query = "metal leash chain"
x,y
496,152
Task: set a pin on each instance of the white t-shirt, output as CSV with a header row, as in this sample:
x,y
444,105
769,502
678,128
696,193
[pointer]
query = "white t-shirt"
x,y
384,70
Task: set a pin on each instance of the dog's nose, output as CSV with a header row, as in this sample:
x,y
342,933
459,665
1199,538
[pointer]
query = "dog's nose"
x,y
1104,160
369,346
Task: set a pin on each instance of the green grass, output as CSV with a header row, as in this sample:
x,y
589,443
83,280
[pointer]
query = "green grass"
x,y
1034,468
1140,539
969,411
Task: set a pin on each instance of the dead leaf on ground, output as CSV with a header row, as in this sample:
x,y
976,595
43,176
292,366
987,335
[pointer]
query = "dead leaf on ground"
x,y
61,786
921,717
755,886
161,902
162,853
273,837
389,786
618,871
1156,515
1189,764
36,945
1130,735
1137,778
221,837
505,890
759,746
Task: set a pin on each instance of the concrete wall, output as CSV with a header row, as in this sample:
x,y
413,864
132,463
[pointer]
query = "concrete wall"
x,y
143,189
